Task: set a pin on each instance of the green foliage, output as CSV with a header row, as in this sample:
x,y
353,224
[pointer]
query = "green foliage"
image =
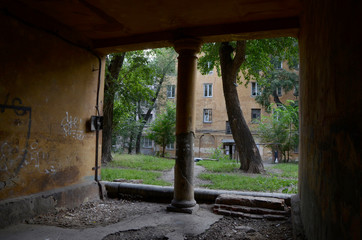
x,y
248,183
162,130
219,155
148,177
141,162
276,79
280,131
136,89
259,56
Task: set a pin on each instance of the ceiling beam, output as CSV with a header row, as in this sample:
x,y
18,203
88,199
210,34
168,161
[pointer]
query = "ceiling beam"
x,y
224,32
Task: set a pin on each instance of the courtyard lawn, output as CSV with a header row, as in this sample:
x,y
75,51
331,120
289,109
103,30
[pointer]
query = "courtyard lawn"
x,y
220,166
142,162
147,177
223,174
240,182
286,170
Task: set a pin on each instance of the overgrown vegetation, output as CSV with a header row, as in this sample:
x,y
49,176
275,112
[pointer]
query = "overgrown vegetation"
x,y
280,130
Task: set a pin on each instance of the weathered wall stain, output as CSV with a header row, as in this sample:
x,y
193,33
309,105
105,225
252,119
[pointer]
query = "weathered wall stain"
x,y
46,97
14,152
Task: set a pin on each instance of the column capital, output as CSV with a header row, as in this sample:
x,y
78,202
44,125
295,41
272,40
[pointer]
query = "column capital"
x,y
187,44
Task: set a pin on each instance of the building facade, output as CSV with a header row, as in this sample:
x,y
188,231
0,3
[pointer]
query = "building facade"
x,y
212,129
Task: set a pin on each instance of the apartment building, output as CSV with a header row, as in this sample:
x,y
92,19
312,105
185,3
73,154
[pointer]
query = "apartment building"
x,y
212,129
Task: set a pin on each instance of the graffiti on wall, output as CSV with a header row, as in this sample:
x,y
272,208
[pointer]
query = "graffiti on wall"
x,y
15,110
71,127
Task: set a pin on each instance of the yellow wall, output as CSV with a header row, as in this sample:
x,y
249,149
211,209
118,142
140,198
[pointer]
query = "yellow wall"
x,y
48,90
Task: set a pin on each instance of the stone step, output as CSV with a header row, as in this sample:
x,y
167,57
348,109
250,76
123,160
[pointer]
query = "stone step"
x,y
248,215
252,210
248,201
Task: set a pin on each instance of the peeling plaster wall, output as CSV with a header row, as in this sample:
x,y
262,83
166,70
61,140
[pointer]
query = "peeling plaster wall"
x,y
331,113
48,90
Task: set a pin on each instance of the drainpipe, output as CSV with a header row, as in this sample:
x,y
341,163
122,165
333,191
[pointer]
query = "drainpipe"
x,y
97,125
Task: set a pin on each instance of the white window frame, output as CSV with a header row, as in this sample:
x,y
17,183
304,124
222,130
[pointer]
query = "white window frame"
x,y
146,142
279,91
255,91
208,90
171,90
207,115
170,146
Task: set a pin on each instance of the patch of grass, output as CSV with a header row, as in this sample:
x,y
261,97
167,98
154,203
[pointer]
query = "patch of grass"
x,y
148,177
142,162
289,170
220,166
246,183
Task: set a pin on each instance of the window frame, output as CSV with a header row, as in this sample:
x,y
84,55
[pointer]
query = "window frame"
x,y
207,118
149,142
253,120
208,90
170,146
171,91
255,89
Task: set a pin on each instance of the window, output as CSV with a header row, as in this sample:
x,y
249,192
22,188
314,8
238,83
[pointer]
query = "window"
x,y
279,91
207,115
228,128
146,142
171,91
255,91
170,146
208,90
255,115
209,67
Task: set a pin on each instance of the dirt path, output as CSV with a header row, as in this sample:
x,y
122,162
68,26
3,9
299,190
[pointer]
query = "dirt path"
x,y
169,176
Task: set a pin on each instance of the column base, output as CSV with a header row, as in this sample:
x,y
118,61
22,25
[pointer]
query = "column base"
x,y
189,210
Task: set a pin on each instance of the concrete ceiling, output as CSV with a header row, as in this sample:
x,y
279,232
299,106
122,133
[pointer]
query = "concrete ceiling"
x,y
119,25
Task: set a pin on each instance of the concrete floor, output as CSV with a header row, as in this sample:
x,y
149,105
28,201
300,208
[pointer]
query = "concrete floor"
x,y
178,225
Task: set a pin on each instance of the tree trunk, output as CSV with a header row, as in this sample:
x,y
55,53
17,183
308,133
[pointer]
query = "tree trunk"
x,y
250,159
140,129
107,130
110,81
148,114
130,144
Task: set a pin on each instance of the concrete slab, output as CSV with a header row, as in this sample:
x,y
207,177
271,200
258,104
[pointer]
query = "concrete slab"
x,y
177,225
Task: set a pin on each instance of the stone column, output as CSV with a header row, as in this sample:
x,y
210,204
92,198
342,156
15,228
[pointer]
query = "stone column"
x,y
183,200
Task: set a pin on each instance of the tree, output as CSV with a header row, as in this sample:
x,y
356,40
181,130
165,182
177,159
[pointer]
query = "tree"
x,y
162,130
126,82
163,64
134,88
253,59
114,64
280,131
